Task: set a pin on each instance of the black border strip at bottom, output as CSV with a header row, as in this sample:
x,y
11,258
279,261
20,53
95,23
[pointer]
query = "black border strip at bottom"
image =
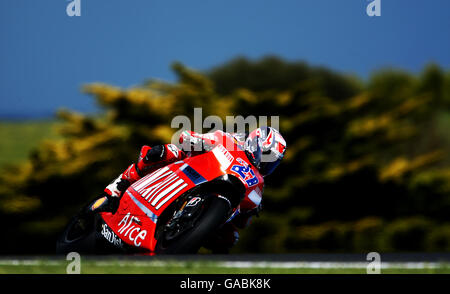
x,y
219,283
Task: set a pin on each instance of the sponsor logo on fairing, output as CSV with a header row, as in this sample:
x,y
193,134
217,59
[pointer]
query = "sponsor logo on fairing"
x,y
154,187
129,228
110,236
194,201
223,156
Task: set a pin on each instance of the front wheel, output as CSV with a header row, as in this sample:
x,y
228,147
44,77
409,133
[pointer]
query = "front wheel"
x,y
211,214
78,236
80,233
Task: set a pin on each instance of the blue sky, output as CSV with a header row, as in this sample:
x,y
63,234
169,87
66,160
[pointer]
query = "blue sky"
x,y
45,55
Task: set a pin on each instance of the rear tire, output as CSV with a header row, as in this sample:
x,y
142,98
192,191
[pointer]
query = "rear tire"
x,y
213,216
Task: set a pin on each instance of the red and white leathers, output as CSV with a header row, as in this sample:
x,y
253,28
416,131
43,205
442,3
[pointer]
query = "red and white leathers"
x,y
149,160
152,158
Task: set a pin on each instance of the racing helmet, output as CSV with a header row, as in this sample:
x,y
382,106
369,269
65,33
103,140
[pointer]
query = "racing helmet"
x,y
265,147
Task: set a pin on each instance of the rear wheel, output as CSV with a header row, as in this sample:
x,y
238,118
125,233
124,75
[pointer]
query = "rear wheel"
x,y
192,225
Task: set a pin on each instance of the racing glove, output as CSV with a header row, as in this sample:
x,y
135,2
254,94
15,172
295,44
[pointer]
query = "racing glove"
x,y
117,187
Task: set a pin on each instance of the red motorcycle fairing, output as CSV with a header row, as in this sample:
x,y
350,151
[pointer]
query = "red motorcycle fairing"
x,y
135,220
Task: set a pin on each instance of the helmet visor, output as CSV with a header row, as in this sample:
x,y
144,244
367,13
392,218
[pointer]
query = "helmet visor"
x,y
253,151
269,163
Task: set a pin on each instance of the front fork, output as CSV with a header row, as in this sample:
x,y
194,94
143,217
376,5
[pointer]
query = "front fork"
x,y
184,218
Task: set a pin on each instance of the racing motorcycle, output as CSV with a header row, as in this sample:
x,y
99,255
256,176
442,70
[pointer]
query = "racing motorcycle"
x,y
173,210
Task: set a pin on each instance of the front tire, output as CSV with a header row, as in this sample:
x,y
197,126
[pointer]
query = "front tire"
x,y
78,236
213,215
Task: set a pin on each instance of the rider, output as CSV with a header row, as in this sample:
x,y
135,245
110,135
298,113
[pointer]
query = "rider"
x,y
265,147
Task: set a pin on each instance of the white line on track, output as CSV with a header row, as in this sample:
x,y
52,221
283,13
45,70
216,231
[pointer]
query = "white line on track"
x,y
229,264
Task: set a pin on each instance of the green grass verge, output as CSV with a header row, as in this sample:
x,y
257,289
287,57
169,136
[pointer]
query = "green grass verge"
x,y
130,267
19,138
